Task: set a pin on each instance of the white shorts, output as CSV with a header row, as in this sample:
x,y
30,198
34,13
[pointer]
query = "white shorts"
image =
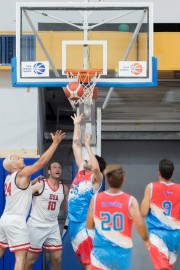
x,y
47,238
14,233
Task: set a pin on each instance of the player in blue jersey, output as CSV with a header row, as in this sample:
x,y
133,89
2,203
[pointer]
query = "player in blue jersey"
x,y
85,184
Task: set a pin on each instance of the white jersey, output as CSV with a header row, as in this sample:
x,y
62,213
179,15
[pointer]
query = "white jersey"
x,y
45,206
18,200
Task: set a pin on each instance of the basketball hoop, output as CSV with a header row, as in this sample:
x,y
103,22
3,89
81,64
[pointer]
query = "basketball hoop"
x,y
88,79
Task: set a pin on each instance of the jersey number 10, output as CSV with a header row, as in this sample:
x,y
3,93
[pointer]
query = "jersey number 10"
x,y
51,205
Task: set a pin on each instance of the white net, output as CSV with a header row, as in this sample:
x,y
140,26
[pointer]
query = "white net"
x,y
88,79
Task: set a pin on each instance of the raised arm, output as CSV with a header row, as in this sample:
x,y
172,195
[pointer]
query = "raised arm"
x,y
90,217
145,205
77,145
22,177
95,165
139,222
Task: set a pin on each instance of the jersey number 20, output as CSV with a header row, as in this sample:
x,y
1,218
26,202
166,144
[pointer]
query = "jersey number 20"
x,y
114,221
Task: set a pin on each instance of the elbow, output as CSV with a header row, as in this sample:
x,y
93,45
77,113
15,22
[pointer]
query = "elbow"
x,y
89,226
143,214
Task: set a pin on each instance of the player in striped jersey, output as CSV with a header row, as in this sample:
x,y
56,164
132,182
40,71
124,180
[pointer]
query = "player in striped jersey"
x,y
161,205
85,184
18,192
43,225
112,214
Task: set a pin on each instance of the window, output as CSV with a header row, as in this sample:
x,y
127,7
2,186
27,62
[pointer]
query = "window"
x,y
8,48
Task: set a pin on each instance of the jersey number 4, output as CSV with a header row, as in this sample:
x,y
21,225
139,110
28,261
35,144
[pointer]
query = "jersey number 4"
x,y
113,221
7,188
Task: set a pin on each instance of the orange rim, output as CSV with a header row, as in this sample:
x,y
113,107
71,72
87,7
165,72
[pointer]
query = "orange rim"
x,y
84,74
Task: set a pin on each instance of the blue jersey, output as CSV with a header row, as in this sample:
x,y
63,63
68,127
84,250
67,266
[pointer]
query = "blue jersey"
x,y
80,194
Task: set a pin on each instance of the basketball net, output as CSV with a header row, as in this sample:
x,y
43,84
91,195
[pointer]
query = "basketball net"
x,y
88,79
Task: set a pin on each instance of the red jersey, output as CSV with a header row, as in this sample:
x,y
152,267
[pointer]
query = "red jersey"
x,y
113,225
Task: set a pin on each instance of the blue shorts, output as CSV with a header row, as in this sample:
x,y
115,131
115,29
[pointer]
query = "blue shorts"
x,y
111,258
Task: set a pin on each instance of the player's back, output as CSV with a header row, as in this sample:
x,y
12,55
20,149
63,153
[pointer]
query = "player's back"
x,y
164,206
113,225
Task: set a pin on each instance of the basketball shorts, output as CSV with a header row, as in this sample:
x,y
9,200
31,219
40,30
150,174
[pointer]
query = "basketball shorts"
x,y
14,233
111,258
47,238
81,239
164,249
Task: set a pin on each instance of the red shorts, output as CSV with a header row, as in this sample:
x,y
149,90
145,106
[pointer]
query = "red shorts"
x,y
81,240
84,250
158,259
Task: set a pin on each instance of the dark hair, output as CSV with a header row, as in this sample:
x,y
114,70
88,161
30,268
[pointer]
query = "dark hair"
x,y
166,168
114,175
102,163
49,166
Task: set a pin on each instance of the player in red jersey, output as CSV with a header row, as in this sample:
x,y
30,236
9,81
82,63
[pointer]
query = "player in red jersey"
x,y
161,205
112,214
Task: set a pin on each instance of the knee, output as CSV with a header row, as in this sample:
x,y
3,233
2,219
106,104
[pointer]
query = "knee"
x,y
2,251
56,259
31,259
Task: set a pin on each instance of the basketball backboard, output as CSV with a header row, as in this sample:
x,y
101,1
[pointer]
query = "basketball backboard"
x,y
114,37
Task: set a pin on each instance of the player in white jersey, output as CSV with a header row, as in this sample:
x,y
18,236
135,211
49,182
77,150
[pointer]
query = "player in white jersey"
x,y
18,192
87,181
43,224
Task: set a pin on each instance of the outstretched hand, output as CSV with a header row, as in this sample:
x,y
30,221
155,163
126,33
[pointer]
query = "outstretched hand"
x,y
77,118
58,136
37,179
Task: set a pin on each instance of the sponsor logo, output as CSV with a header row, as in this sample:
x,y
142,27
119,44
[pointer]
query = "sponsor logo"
x,y
136,68
39,68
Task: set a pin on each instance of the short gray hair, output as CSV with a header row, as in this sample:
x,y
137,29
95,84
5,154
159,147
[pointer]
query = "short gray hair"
x,y
6,162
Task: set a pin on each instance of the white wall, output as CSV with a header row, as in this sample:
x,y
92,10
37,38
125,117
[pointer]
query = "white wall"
x,y
18,115
165,11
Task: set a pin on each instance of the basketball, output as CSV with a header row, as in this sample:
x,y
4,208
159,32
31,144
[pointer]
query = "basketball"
x,y
74,90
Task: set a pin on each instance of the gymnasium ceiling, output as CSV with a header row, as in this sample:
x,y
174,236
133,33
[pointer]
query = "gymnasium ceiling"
x,y
131,114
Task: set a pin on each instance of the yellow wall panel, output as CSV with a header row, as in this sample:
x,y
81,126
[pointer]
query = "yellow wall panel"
x,y
142,47
167,50
117,44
